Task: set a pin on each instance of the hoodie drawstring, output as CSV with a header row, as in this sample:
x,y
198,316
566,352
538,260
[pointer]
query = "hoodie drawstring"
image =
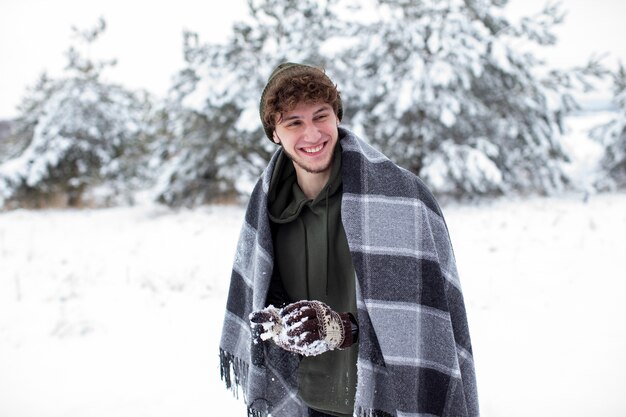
x,y
306,259
327,238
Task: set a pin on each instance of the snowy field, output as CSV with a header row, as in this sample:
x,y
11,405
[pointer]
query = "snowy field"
x,y
117,312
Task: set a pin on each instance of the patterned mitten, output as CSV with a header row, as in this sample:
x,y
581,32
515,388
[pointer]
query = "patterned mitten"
x,y
312,327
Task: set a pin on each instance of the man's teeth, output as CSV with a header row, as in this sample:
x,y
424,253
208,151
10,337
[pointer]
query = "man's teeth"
x,y
313,150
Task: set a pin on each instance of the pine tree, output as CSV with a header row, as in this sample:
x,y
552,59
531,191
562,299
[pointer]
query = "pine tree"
x,y
79,133
214,146
612,136
449,89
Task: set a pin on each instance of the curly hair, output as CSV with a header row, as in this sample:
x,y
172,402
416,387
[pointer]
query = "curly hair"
x,y
291,84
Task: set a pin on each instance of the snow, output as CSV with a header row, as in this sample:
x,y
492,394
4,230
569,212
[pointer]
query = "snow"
x,y
462,163
543,281
585,153
118,312
114,312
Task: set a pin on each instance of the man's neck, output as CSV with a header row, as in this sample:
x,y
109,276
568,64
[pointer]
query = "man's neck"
x,y
310,183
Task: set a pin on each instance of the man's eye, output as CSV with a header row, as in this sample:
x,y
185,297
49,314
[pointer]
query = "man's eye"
x,y
322,117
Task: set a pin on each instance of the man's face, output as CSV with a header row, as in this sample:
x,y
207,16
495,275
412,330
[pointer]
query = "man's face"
x,y
308,135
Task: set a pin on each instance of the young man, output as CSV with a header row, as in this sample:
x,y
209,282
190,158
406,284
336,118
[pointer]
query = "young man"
x,y
344,297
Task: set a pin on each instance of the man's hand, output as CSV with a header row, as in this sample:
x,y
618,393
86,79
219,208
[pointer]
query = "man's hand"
x,y
305,327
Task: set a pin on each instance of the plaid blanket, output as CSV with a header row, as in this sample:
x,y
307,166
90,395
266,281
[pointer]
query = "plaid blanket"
x,y
415,355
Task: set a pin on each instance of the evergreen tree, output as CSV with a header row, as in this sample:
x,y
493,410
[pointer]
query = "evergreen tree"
x,y
30,110
78,132
612,136
214,146
449,89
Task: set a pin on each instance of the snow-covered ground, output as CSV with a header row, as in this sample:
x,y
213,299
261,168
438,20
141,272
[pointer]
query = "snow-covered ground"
x,y
114,312
117,312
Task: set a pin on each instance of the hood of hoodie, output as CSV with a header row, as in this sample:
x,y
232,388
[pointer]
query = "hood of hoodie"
x,y
286,199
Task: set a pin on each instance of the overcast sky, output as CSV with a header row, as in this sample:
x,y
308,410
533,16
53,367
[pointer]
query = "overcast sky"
x,y
145,36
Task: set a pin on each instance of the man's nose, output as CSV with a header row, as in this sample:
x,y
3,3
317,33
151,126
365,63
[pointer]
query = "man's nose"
x,y
312,133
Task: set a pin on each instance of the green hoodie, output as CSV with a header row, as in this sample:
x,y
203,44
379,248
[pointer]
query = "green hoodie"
x,y
313,262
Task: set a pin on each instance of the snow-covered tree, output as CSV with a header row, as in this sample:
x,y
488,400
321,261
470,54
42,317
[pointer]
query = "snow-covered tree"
x,y
218,145
612,136
7,145
79,133
200,164
449,89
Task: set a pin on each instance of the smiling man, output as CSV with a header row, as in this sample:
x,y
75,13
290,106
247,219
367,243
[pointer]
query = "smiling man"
x,y
344,298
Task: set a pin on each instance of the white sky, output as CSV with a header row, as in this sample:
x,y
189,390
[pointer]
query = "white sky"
x,y
146,36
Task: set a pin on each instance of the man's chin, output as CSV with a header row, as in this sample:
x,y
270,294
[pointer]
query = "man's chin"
x,y
319,169
316,169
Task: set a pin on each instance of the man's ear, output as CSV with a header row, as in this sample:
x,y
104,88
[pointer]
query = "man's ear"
x,y
275,138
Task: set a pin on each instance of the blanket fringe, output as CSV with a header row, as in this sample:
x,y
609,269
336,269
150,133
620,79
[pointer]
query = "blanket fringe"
x,y
362,412
232,366
255,413
234,373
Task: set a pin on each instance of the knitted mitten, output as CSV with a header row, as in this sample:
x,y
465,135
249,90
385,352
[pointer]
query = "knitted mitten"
x,y
312,328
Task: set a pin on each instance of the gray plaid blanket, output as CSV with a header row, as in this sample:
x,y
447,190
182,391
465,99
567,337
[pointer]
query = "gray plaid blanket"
x,y
415,356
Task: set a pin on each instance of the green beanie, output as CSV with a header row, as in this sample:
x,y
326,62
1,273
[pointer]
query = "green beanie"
x,y
282,71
